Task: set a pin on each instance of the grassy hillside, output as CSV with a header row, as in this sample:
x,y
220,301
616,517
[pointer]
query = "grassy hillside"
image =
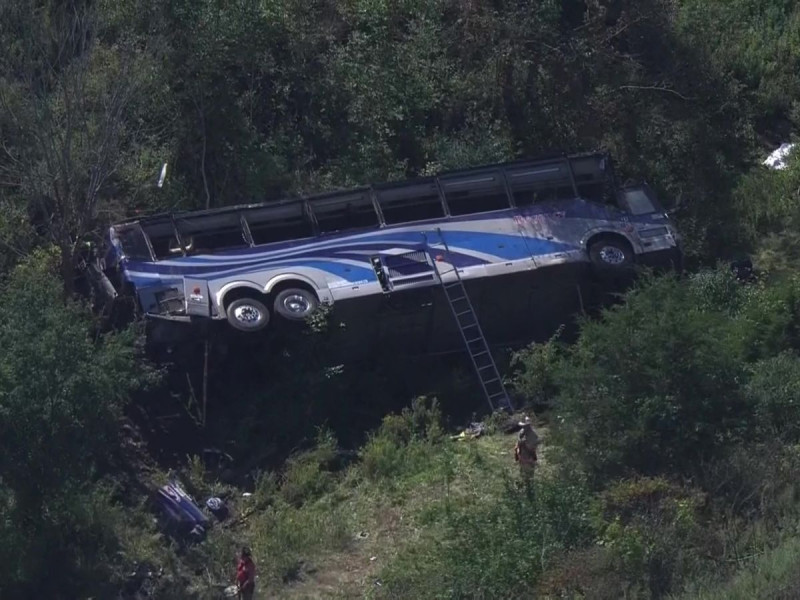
x,y
672,421
403,519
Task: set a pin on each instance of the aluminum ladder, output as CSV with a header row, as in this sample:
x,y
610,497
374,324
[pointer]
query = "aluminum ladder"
x,y
478,349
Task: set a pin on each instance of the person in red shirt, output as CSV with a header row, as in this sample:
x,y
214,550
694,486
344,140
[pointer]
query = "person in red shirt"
x,y
246,575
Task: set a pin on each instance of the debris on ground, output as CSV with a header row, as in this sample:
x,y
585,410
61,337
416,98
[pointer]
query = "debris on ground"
x,y
217,507
475,430
778,160
179,511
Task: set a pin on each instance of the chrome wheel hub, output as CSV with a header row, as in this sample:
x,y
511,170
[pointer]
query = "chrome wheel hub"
x,y
296,304
612,255
247,313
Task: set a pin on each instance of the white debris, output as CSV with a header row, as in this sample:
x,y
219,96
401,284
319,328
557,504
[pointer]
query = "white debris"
x,y
779,158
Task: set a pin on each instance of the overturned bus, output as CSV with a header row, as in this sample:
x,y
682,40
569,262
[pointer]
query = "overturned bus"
x,y
254,265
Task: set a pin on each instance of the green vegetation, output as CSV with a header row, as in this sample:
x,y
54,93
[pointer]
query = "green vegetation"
x,y
671,424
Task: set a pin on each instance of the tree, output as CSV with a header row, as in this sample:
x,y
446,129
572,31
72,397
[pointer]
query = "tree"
x,y
62,390
65,100
655,385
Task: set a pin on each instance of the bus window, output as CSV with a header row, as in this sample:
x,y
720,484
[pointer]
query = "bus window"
x,y
540,183
134,245
592,190
279,223
403,204
353,211
162,238
476,193
211,233
591,178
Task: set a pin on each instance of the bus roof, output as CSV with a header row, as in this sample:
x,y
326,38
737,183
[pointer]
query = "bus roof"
x,y
167,216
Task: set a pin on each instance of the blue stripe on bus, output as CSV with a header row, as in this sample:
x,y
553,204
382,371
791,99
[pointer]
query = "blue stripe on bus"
x,y
499,246
344,271
502,246
259,256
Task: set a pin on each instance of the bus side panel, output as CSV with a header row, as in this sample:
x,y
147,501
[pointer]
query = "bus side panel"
x,y
570,222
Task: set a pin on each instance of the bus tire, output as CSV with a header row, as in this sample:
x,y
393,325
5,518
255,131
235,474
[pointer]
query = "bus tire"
x,y
247,314
611,253
295,304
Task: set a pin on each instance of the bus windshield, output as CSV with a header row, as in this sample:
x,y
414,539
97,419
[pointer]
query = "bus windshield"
x,y
636,201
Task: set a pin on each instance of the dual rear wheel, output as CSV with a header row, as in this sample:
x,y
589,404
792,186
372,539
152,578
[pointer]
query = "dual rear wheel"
x,y
250,313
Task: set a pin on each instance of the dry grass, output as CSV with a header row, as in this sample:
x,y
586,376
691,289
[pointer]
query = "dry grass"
x,y
384,520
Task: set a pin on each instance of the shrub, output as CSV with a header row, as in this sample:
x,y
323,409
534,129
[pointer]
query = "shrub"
x,y
756,481
592,573
403,443
496,550
535,371
307,475
652,385
772,575
769,322
774,391
767,201
652,528
62,391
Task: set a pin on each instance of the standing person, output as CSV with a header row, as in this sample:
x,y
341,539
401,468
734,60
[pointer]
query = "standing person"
x,y
525,449
246,575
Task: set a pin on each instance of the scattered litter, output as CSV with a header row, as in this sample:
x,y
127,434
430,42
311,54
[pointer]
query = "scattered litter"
x,y
217,507
373,558
475,430
378,582
180,510
362,535
198,532
247,494
778,159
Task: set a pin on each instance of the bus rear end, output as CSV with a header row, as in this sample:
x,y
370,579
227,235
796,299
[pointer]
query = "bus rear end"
x,y
129,263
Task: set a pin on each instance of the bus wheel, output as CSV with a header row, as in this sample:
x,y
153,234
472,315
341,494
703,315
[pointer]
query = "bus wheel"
x,y
247,314
611,253
295,304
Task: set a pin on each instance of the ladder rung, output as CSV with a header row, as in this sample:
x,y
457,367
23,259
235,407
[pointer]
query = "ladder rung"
x,y
467,325
480,353
457,298
486,367
473,340
463,312
488,381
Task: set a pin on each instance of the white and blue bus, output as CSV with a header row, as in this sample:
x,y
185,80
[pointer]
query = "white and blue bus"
x,y
252,264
